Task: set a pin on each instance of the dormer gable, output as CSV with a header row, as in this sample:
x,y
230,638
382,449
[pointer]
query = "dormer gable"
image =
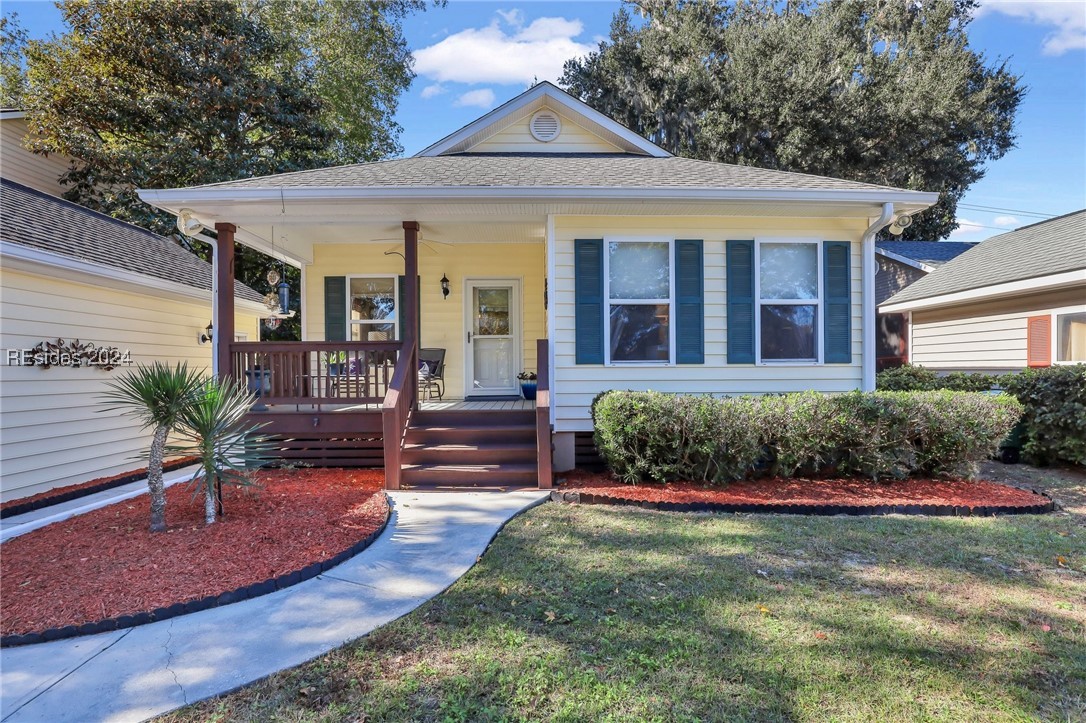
x,y
544,119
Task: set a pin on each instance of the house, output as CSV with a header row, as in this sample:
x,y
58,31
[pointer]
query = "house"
x,y
1016,300
544,237
72,275
901,263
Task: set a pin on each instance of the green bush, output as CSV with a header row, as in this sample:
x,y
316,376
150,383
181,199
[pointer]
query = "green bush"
x,y
661,437
909,378
1054,399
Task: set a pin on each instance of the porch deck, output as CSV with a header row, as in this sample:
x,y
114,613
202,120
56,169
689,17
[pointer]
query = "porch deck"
x,y
424,405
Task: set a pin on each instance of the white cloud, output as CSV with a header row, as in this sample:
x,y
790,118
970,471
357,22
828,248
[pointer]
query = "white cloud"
x,y
431,90
966,228
483,98
1067,16
494,55
1006,221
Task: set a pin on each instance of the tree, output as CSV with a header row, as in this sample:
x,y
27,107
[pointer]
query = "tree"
x,y
156,395
885,92
12,72
211,426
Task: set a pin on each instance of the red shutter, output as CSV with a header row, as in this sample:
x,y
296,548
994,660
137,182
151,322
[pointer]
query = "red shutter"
x,y
1039,341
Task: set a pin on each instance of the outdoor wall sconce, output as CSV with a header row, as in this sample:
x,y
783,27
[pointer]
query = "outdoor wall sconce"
x,y
208,335
444,286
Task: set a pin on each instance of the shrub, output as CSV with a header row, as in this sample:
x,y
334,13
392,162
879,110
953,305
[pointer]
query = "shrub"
x,y
1055,412
660,437
909,378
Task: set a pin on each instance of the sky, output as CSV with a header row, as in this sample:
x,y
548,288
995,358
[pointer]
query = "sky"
x,y
473,56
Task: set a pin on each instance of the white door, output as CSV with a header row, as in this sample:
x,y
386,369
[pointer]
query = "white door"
x,y
492,355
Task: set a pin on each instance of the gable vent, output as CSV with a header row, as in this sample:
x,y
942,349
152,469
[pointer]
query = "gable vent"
x,y
545,126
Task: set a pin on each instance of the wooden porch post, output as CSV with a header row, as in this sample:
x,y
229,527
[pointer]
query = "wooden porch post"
x,y
224,306
411,303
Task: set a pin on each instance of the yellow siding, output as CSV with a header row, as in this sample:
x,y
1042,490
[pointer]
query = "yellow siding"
x,y
987,336
51,430
517,138
20,165
443,323
575,385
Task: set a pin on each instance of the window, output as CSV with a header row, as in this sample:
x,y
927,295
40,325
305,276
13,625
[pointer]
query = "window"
x,y
371,310
1070,337
789,294
639,300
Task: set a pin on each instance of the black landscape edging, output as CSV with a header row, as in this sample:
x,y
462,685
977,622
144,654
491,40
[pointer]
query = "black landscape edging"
x,y
587,498
256,589
22,509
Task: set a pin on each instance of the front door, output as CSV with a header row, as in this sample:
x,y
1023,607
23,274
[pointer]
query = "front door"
x,y
492,355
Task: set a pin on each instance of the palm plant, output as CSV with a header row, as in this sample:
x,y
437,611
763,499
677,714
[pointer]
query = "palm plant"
x,y
212,427
156,395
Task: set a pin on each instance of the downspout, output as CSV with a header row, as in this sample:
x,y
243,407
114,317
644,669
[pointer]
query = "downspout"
x,y
867,383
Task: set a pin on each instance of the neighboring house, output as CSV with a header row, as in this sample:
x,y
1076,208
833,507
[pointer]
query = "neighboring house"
x,y
901,263
72,274
1016,300
545,236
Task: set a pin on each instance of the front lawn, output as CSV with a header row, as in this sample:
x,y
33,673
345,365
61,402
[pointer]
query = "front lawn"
x,y
589,613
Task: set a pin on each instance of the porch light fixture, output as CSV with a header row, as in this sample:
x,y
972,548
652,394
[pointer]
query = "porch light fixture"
x,y
187,222
444,286
208,335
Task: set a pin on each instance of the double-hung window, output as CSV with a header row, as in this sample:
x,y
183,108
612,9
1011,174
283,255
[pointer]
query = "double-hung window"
x,y
788,281
371,308
639,300
1070,336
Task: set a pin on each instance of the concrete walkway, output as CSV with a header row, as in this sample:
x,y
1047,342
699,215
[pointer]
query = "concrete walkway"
x,y
129,675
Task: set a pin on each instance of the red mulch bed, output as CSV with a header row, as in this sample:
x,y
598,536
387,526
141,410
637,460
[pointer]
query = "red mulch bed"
x,y
106,563
799,491
93,485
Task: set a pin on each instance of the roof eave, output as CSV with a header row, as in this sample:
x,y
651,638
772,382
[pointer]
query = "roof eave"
x,y
986,293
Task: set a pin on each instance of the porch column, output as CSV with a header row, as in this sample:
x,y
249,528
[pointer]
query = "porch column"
x,y
224,301
411,271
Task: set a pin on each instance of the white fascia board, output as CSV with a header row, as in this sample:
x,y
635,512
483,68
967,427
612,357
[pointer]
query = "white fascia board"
x,y
173,198
25,258
1011,288
905,260
12,115
531,96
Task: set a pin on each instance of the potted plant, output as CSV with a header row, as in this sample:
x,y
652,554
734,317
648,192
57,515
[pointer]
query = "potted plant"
x,y
336,361
527,384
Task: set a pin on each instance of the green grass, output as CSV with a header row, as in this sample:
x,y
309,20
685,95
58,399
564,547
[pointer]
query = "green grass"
x,y
590,613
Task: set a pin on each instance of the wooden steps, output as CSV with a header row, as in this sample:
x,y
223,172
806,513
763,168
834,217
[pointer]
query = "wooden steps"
x,y
470,448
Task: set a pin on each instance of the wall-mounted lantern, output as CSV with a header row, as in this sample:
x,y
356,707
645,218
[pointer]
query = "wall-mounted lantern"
x,y
208,335
444,286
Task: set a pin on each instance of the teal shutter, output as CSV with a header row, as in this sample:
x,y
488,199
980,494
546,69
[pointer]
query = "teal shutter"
x,y
837,327
740,276
335,308
689,302
401,288
588,300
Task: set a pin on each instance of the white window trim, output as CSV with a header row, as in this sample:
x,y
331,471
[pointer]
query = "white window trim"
x,y
607,300
1080,309
818,302
397,300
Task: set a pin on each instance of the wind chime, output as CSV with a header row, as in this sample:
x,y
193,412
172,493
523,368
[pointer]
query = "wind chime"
x,y
277,300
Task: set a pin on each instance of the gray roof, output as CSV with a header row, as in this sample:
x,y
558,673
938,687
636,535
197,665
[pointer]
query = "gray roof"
x,y
37,220
1042,249
505,170
932,253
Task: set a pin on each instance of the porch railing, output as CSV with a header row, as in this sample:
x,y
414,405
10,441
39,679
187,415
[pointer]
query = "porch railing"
x,y
396,410
316,372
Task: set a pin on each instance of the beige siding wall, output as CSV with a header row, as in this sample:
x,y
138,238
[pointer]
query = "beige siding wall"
x,y
20,165
984,336
443,324
576,385
51,430
517,138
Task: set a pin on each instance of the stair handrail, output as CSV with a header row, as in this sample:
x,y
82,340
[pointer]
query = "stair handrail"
x,y
400,400
544,462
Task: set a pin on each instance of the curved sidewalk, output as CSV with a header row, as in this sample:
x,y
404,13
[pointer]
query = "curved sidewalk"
x,y
432,539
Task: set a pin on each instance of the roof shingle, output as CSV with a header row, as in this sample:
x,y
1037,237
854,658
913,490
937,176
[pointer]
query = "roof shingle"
x,y
1042,249
535,170
37,220
932,253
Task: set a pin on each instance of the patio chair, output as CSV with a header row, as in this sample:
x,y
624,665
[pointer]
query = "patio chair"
x,y
432,372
